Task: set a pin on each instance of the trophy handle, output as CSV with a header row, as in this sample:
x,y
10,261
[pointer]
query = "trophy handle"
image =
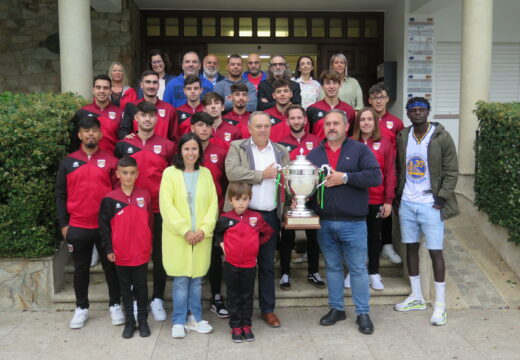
x,y
326,167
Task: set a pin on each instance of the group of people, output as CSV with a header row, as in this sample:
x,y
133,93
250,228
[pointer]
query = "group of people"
x,y
185,171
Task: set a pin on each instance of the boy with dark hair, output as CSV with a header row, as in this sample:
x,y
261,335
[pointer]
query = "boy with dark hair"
x,y
192,90
125,225
239,116
282,95
214,105
239,233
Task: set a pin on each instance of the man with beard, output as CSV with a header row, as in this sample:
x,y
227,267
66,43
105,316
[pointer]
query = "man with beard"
x,y
153,154
234,68
192,90
210,69
166,117
299,142
174,93
84,178
214,105
238,116
343,234
277,70
282,95
254,73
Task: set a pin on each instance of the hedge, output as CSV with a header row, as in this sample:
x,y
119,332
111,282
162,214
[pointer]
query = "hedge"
x,y
497,180
34,137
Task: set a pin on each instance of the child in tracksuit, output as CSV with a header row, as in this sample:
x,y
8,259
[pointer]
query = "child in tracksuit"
x,y
240,233
125,224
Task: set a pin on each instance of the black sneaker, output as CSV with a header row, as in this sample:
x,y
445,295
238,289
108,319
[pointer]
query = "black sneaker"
x,y
128,331
236,335
218,307
316,280
248,334
285,282
144,329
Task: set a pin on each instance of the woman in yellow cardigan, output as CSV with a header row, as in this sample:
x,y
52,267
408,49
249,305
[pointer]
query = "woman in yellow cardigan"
x,y
189,208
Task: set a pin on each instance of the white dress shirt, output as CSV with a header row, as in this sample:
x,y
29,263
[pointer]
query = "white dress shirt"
x,y
264,194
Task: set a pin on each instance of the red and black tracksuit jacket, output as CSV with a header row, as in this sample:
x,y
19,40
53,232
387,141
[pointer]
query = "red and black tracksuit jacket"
x,y
241,121
166,125
227,132
317,111
279,127
152,156
110,119
390,126
385,156
184,113
125,226
81,183
242,236
306,143
214,160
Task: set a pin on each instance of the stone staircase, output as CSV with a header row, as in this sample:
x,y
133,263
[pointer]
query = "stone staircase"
x,y
301,293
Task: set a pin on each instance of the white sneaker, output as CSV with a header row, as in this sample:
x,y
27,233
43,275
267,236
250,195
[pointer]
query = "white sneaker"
x,y
178,331
116,313
375,282
296,258
410,303
157,308
347,282
439,316
79,319
202,327
191,322
389,253
95,257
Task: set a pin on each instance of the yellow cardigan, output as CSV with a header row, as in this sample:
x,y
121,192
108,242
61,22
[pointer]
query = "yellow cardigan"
x,y
179,257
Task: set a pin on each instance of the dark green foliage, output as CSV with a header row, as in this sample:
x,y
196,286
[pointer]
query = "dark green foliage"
x,y
34,136
497,182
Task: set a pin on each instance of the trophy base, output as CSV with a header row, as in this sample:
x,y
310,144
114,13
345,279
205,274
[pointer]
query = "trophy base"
x,y
301,223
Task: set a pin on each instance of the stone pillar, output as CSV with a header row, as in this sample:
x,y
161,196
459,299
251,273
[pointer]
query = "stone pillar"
x,y
75,47
477,38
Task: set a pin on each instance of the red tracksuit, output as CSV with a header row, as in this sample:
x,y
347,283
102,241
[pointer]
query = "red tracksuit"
x,y
81,183
214,159
239,120
227,132
242,236
184,113
390,126
152,156
317,111
307,143
125,225
166,125
279,127
110,119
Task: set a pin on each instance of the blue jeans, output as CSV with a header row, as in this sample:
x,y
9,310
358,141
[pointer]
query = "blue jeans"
x,y
345,242
186,294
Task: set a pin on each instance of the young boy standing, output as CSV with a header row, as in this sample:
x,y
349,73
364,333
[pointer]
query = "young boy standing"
x,y
239,233
125,224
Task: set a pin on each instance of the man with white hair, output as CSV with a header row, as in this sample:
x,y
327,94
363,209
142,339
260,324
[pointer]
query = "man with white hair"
x,y
210,69
278,70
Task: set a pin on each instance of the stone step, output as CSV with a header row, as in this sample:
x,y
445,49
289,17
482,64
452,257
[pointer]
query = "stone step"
x,y
301,293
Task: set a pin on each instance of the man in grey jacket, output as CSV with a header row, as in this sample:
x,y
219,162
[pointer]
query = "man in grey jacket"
x,y
255,161
235,68
427,170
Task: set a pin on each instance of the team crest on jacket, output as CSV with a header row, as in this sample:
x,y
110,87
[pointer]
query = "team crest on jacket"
x,y
162,112
309,145
101,163
389,124
111,115
213,158
140,202
253,220
157,149
227,136
376,145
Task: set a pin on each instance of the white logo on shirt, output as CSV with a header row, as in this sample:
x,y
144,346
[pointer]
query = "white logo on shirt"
x,y
273,121
213,158
111,115
140,202
101,163
376,145
162,112
320,114
157,149
130,150
76,164
183,116
118,206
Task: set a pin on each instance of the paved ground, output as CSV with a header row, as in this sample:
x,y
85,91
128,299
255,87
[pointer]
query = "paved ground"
x,y
470,334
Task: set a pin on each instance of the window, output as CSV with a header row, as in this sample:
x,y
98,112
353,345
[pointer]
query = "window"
x,y
209,26
335,27
190,26
264,27
300,27
171,26
318,27
245,26
282,27
370,28
153,26
227,26
353,28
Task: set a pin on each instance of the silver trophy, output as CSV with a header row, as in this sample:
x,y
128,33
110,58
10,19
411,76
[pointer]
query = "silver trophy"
x,y
301,181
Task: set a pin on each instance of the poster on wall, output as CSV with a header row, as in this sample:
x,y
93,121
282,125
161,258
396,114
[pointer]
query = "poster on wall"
x,y
420,57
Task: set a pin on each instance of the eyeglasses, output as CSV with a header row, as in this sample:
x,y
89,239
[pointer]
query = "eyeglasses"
x,y
157,62
277,64
378,98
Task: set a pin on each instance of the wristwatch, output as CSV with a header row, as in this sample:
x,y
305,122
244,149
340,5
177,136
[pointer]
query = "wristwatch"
x,y
345,178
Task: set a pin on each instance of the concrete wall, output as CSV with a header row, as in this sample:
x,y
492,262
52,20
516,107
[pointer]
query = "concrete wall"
x,y
26,64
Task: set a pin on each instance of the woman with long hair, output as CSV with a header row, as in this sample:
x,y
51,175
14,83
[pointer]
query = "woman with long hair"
x,y
304,75
122,93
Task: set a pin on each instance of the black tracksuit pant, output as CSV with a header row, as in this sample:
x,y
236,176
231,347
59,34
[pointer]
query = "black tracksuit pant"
x,y
133,282
82,241
386,230
240,290
287,245
374,238
159,274
215,270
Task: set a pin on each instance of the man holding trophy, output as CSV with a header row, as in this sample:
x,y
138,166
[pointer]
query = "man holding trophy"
x,y
342,205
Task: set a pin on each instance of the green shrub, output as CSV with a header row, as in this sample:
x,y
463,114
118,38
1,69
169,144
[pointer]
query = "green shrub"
x,y
497,181
35,136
